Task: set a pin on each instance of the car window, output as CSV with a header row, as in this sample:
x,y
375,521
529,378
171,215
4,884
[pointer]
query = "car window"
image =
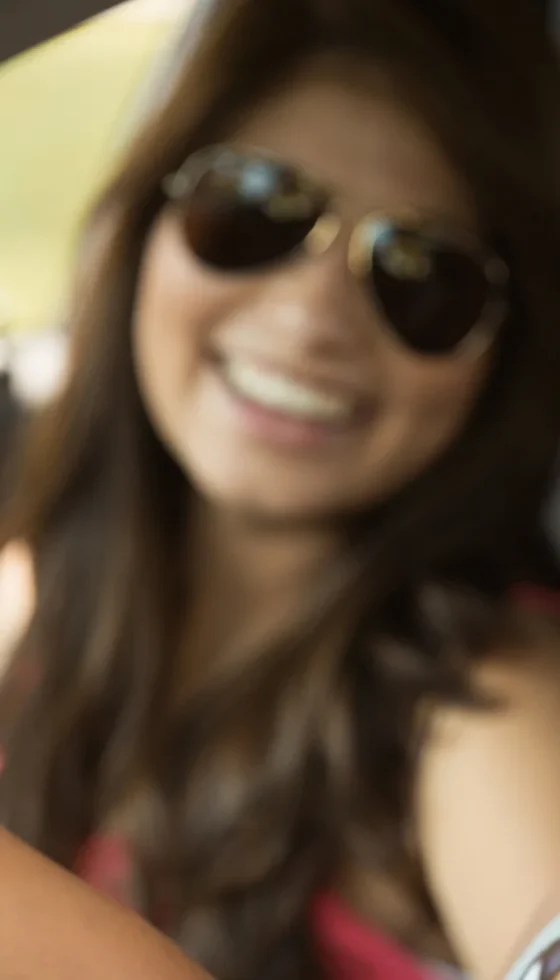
x,y
62,108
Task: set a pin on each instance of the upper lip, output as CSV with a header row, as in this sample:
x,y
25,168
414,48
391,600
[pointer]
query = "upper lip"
x,y
318,380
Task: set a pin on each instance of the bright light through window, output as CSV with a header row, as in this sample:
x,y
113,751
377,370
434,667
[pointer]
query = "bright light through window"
x,y
61,110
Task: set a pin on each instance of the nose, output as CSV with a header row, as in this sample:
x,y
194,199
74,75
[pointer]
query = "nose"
x,y
318,306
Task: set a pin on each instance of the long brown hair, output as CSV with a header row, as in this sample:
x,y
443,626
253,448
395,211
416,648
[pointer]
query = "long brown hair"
x,y
295,767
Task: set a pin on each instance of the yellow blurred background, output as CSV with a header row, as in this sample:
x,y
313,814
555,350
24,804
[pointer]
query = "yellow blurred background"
x,y
62,110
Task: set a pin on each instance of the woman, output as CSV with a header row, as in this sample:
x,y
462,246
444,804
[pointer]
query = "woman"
x,y
284,685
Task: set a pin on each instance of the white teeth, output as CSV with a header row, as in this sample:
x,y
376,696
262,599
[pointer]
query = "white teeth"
x,y
284,394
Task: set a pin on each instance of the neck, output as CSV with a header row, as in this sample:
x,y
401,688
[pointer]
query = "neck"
x,y
249,579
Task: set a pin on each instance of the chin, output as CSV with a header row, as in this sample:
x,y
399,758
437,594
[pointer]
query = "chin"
x,y
262,508
241,484
271,504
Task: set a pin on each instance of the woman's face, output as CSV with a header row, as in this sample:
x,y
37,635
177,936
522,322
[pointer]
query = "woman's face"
x,y
305,331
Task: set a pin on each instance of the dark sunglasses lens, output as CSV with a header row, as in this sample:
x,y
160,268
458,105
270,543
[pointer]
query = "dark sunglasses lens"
x,y
245,212
432,293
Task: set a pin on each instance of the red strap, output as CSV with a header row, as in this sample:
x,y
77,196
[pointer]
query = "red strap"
x,y
352,951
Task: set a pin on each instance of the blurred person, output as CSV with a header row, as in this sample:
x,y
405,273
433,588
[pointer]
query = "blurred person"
x,y
286,682
32,374
12,415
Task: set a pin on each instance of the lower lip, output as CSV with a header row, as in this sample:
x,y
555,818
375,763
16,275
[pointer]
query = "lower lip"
x,y
284,430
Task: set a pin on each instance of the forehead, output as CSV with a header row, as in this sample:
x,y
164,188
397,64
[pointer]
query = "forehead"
x,y
362,140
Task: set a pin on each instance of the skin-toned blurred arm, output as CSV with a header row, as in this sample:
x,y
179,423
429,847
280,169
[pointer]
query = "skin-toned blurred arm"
x,y
489,811
53,927
24,23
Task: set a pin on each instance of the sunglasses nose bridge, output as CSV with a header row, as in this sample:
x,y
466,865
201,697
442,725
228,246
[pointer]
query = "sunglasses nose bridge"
x,y
323,235
360,249
323,293
357,237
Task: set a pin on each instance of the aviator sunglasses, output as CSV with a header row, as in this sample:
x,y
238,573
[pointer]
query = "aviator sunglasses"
x,y
241,210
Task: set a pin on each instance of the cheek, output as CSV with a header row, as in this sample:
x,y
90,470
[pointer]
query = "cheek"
x,y
178,307
428,404
166,332
439,397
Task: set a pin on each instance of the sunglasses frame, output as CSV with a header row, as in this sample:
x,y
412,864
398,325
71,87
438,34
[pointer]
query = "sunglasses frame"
x,y
365,234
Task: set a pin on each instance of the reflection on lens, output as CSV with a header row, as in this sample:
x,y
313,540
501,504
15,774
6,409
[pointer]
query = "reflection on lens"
x,y
431,293
260,214
405,255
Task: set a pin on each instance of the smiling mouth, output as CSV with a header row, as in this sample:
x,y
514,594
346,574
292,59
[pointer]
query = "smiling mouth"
x,y
281,393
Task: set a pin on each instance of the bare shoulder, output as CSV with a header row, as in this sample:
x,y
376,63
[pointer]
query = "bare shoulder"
x,y
488,803
17,598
